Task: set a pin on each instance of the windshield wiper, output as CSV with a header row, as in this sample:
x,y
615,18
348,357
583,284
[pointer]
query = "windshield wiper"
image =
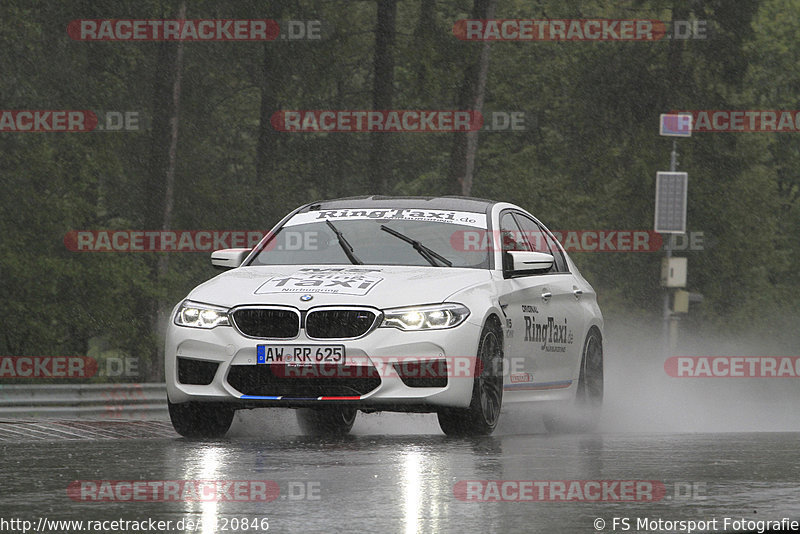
x,y
430,255
346,247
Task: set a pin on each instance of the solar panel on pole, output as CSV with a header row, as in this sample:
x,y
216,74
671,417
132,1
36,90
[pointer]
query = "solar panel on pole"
x,y
671,191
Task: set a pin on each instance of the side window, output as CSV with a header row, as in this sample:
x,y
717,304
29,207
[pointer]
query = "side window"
x,y
541,241
558,254
511,237
533,234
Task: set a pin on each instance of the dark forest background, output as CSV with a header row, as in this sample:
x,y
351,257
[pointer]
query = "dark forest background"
x,y
587,158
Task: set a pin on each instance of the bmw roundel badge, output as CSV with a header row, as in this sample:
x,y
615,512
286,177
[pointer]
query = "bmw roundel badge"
x,y
306,298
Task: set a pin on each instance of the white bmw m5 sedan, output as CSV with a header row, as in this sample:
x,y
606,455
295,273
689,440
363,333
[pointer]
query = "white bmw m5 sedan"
x,y
452,305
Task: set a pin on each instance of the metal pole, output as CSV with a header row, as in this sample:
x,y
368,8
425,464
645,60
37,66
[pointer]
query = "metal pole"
x,y
673,165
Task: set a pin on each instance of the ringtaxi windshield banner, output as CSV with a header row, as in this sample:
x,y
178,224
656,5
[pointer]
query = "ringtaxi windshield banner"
x,y
465,218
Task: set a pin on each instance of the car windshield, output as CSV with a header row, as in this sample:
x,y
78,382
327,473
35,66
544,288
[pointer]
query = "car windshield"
x,y
364,241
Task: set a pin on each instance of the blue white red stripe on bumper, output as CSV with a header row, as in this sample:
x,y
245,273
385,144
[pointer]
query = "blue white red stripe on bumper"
x,y
288,397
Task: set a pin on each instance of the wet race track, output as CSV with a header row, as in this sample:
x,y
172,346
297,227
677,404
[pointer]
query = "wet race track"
x,y
664,451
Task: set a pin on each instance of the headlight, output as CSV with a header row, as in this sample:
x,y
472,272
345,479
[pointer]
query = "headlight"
x,y
198,315
433,317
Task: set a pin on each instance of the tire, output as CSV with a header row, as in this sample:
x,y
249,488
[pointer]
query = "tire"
x,y
481,418
329,421
200,420
583,415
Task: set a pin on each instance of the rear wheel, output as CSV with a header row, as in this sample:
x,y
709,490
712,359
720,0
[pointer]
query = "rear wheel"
x,y
200,420
481,418
328,421
583,414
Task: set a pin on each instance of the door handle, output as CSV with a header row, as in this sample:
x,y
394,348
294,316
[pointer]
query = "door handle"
x,y
546,295
577,292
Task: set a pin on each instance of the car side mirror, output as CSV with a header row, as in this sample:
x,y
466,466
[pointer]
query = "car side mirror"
x,y
520,262
228,258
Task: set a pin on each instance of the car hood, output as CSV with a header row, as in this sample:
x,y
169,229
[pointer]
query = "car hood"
x,y
368,285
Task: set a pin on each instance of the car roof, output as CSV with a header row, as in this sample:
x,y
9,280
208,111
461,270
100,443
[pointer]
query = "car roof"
x,y
458,203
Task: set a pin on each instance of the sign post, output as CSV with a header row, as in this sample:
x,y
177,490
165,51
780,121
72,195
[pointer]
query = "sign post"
x,y
670,213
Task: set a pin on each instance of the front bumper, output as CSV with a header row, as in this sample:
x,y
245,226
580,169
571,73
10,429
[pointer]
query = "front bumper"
x,y
235,356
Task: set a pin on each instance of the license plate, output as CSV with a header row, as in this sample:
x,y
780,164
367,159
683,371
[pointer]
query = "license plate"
x,y
300,354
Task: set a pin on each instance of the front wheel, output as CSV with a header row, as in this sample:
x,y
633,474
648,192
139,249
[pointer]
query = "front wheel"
x,y
200,420
328,421
481,418
584,413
